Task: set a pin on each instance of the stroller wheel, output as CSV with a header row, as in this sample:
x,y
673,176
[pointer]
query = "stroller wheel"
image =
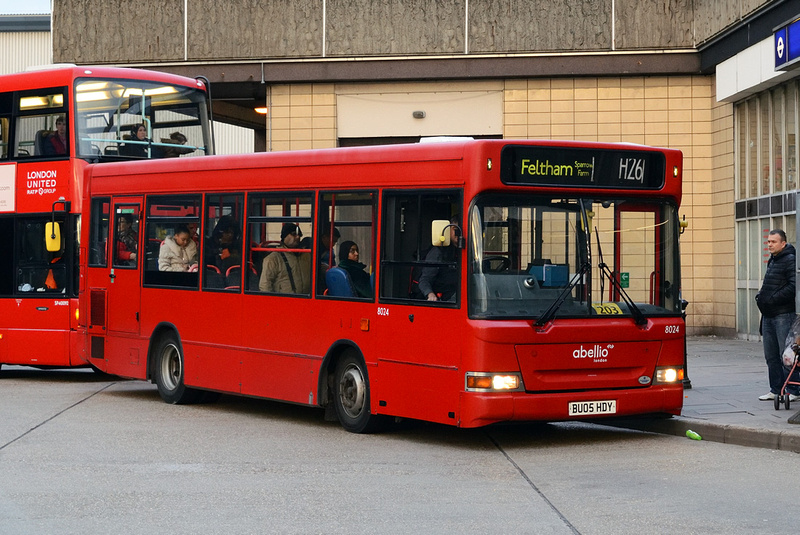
x,y
777,400
786,401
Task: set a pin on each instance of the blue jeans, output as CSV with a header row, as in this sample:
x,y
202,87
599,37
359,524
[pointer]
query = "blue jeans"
x,y
774,331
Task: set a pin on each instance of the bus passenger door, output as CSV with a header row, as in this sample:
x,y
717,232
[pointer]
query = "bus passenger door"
x,y
124,294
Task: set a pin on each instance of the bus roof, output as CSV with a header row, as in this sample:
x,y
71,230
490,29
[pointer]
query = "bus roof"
x,y
63,74
301,168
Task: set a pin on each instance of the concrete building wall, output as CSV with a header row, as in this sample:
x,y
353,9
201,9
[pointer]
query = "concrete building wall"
x,y
117,31
712,16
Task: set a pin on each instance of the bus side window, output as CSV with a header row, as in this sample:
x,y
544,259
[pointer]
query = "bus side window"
x,y
353,224
171,253
222,244
407,247
277,222
126,236
41,124
98,233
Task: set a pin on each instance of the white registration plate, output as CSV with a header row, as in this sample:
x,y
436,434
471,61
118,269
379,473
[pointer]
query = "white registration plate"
x,y
591,408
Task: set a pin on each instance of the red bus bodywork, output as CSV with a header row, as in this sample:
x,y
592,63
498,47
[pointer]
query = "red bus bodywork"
x,y
46,329
416,356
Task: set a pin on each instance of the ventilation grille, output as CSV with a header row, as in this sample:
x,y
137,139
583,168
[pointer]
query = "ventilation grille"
x,y
98,347
97,314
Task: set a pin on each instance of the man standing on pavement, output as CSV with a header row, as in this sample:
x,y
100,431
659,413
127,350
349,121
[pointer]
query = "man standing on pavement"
x,y
775,300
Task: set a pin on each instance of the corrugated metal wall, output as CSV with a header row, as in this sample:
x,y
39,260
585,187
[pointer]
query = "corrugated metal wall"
x,y
24,49
232,139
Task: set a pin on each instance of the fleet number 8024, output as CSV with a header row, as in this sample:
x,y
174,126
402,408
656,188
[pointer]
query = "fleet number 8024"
x,y
672,329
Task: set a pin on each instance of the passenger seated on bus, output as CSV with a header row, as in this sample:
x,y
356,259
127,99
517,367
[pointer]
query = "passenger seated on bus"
x,y
178,252
139,150
127,241
287,272
56,143
348,261
175,138
223,248
440,283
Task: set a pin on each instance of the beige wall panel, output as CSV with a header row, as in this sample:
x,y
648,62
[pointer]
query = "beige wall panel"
x,y
254,29
722,211
117,31
539,25
654,24
387,27
447,113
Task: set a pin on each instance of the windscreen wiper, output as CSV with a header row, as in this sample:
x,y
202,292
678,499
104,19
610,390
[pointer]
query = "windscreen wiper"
x,y
638,316
550,313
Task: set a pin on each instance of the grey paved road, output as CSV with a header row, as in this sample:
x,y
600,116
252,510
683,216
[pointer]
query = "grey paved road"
x,y
82,454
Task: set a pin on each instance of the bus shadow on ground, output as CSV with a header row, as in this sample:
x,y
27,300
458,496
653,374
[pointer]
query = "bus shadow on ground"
x,y
56,374
502,435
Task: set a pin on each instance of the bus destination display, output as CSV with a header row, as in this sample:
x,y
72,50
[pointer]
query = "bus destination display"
x,y
567,166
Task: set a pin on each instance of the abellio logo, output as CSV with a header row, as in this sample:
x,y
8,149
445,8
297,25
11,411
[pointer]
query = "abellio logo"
x,y
597,352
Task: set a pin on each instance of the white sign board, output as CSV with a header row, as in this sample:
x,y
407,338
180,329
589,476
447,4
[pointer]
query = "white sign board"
x,y
8,174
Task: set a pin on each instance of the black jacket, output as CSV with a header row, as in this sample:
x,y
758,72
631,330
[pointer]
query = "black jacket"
x,y
776,295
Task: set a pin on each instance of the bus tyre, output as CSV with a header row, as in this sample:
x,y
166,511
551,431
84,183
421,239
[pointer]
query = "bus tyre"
x,y
351,395
169,373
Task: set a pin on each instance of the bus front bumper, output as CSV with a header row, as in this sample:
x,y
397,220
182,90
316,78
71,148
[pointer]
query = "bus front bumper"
x,y
479,409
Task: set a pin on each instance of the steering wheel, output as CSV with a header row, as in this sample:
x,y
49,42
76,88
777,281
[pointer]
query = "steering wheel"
x,y
496,264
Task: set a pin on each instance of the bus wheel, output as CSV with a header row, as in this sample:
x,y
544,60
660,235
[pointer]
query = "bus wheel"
x,y
169,373
351,397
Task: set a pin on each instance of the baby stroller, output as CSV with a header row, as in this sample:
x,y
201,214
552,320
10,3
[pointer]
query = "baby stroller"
x,y
791,360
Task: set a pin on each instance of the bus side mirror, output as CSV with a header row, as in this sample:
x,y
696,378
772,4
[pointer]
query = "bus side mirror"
x,y
52,236
440,233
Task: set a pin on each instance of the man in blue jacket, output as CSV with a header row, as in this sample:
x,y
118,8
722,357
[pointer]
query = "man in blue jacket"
x,y
776,300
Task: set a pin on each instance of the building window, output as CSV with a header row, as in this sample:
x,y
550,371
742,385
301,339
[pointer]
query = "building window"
x,y
766,177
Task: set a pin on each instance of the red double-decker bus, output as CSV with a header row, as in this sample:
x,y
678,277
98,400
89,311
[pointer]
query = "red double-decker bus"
x,y
55,123
464,283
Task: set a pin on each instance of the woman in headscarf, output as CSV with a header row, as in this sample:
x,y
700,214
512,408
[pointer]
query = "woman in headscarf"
x,y
348,261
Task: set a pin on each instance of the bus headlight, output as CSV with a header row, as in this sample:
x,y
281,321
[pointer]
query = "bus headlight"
x,y
669,374
493,382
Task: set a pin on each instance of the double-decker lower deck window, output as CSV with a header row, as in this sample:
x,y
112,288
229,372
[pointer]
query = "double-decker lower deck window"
x,y
28,268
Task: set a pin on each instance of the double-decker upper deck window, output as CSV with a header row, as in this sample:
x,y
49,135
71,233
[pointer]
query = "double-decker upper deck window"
x,y
41,126
135,119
